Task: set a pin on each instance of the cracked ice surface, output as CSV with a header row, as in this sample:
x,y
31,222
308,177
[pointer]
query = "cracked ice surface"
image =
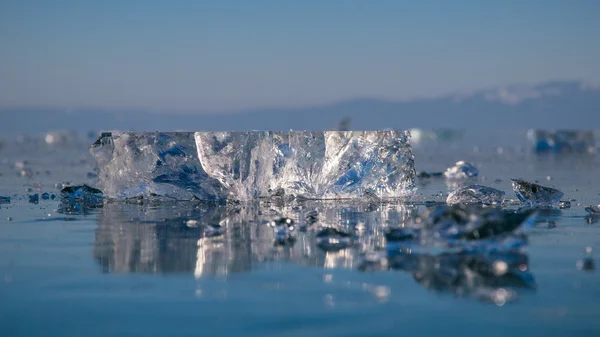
x,y
256,164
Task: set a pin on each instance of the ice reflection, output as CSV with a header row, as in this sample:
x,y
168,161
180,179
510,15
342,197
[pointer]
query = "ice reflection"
x,y
209,240
181,237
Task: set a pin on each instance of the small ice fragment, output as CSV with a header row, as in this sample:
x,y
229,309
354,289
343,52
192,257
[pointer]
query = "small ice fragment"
x,y
535,194
476,194
34,198
45,196
4,200
461,170
10,218
191,223
561,141
331,239
564,204
593,209
82,194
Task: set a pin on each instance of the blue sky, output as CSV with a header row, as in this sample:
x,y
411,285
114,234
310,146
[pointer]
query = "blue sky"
x,y
235,55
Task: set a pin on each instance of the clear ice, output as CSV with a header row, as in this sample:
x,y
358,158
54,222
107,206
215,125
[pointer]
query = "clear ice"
x,y
461,170
476,194
534,194
256,164
562,141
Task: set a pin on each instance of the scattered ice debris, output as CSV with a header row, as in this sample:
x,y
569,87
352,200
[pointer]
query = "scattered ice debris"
x,y
257,164
476,194
544,141
34,198
534,194
593,209
461,170
4,200
587,263
82,194
564,204
331,239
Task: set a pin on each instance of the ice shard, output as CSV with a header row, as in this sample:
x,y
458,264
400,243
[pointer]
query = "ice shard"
x,y
534,194
476,194
461,170
256,164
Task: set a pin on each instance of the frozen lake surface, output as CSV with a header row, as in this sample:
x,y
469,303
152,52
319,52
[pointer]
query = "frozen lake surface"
x,y
189,269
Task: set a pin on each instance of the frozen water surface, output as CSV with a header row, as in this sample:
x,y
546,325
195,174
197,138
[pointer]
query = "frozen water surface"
x,y
188,237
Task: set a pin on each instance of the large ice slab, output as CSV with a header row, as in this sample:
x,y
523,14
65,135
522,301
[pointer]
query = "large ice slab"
x,y
155,163
256,164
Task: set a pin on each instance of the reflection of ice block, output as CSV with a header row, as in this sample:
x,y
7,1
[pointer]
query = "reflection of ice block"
x,y
249,165
561,141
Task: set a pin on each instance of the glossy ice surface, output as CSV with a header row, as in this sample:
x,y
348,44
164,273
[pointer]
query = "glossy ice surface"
x,y
353,268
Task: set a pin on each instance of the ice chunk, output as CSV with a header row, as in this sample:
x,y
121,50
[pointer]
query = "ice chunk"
x,y
313,165
4,200
257,164
461,170
562,141
593,209
34,198
476,194
82,194
154,163
534,194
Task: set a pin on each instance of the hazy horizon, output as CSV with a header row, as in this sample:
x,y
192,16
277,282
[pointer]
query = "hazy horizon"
x,y
240,56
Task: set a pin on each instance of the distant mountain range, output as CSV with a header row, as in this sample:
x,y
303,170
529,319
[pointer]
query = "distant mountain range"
x,y
559,104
